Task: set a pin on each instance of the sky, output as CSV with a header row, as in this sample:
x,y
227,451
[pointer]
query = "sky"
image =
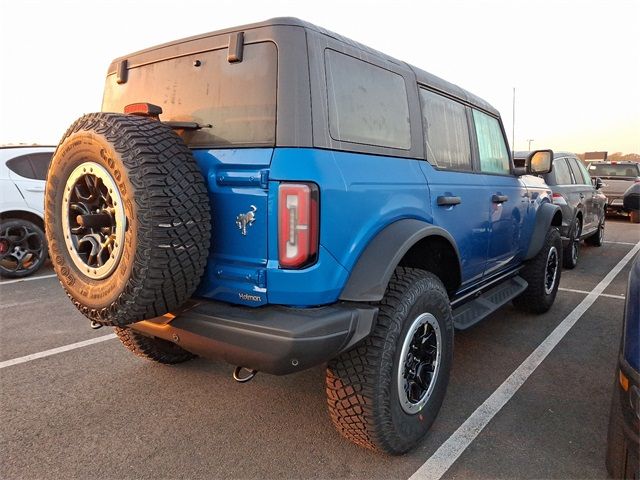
x,y
575,65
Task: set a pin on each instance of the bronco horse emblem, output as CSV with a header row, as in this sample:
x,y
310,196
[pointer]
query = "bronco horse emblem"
x,y
245,220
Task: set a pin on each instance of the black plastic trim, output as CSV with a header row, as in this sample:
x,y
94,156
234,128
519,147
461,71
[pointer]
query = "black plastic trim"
x,y
544,217
271,339
372,272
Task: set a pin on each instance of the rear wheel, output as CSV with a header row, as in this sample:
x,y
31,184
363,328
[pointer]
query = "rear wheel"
x,y
385,393
23,248
542,273
572,250
127,217
151,348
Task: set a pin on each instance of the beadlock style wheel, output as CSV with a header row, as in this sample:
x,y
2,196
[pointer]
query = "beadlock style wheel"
x,y
551,270
127,218
95,220
420,362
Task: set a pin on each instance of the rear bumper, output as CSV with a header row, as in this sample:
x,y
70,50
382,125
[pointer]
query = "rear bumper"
x,y
272,339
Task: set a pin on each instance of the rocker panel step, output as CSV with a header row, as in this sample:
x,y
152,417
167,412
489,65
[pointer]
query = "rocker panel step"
x,y
488,302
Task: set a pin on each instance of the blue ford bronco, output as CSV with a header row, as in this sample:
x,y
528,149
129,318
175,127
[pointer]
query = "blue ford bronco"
x,y
279,197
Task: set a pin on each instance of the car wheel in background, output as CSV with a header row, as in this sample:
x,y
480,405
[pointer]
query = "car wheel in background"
x,y
23,248
572,250
634,215
597,239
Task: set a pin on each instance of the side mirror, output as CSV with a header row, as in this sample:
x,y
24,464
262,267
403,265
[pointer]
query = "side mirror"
x,y
539,162
598,183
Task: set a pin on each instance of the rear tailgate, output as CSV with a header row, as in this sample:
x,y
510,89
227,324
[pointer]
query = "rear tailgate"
x,y
198,81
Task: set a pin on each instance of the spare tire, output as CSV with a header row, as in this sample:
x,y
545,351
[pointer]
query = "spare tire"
x,y
127,218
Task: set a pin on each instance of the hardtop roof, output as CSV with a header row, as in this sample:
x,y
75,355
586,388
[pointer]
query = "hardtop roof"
x,y
422,76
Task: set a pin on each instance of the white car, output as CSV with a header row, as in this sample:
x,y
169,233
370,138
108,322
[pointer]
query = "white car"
x,y
23,246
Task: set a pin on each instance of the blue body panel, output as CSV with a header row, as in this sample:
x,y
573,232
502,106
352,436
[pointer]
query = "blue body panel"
x,y
631,342
360,195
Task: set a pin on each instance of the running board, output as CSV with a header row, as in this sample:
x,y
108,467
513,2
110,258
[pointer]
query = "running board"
x,y
472,312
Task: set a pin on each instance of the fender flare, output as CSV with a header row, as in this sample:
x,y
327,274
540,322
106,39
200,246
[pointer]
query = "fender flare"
x,y
371,273
544,218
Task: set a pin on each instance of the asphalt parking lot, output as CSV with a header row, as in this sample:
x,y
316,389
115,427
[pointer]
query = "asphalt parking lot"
x,y
97,411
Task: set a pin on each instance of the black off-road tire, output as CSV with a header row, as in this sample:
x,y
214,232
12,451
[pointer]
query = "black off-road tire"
x,y
156,349
361,384
597,239
538,298
167,228
571,251
29,238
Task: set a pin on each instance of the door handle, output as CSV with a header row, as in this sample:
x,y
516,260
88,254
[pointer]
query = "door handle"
x,y
444,201
499,198
35,189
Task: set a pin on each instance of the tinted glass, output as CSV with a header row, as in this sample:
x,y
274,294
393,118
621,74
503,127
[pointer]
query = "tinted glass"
x,y
40,163
494,157
446,132
237,99
367,104
21,166
583,170
617,170
578,172
561,172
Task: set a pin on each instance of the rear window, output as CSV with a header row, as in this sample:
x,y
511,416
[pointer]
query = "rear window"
x,y
614,170
367,104
32,165
237,99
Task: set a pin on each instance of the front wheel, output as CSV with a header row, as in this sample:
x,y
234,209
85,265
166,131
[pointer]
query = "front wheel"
x,y
597,239
542,273
385,393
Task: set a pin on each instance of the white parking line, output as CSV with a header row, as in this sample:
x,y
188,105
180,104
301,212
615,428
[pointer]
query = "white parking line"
x,y
619,243
608,295
28,279
457,443
55,351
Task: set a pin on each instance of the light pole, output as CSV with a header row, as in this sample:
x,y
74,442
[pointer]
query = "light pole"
x,y
529,147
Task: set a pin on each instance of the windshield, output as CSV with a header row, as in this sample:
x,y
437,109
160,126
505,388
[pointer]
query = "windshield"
x,y
614,170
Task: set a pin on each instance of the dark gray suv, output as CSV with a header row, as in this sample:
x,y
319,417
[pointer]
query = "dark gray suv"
x,y
581,201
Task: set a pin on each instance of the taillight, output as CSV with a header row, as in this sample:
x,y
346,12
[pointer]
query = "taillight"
x,y
558,199
298,222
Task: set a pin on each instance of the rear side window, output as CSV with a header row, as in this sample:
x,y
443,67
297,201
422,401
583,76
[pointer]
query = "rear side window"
x,y
367,104
561,172
494,157
446,132
33,165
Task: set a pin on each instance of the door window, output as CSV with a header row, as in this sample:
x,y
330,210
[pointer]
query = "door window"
x,y
494,157
32,165
446,133
580,174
